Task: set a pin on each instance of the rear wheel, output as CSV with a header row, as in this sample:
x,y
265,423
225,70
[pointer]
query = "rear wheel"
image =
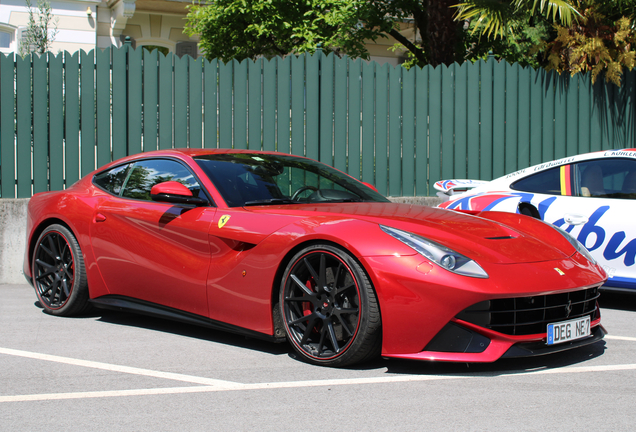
x,y
59,277
329,308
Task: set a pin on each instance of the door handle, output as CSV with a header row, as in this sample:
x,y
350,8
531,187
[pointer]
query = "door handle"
x,y
99,217
574,219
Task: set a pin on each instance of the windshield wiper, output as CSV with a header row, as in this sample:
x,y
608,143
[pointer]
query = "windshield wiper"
x,y
271,201
341,200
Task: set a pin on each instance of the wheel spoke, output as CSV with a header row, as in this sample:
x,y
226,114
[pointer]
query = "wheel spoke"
x,y
65,289
311,269
297,299
303,287
321,342
345,326
332,337
47,251
308,330
44,275
344,288
68,273
47,266
322,279
53,289
302,318
348,311
54,249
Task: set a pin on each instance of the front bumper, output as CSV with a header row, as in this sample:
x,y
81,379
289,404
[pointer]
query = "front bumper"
x,y
481,345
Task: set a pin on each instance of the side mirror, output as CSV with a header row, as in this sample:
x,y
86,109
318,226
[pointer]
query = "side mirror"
x,y
370,186
176,193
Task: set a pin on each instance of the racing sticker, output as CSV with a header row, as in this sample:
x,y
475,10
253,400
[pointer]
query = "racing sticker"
x,y
566,188
223,220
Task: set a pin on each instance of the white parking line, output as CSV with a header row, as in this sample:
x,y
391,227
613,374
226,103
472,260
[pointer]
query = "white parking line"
x,y
213,385
623,338
117,368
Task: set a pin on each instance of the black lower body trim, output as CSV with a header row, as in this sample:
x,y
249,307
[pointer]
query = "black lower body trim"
x,y
456,338
540,348
121,303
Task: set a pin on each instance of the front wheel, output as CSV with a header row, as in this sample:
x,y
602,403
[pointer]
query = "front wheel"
x,y
59,277
329,308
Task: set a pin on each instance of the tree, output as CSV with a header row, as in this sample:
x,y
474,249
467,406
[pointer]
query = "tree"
x,y
41,30
587,35
498,18
602,40
239,29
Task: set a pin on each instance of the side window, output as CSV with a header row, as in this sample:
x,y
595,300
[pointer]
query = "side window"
x,y
147,173
606,178
545,182
111,180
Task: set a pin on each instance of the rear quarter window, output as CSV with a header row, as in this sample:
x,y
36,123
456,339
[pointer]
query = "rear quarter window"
x,y
112,180
545,182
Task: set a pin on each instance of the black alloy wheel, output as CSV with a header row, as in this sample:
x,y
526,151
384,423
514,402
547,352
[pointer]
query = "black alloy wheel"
x,y
59,277
329,308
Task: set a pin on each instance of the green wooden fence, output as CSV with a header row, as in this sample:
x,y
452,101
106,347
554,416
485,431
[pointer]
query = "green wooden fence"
x,y
62,116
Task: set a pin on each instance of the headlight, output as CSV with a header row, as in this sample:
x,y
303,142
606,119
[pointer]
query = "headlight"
x,y
441,255
574,242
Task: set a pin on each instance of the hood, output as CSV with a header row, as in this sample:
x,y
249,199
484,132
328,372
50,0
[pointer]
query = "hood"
x,y
476,237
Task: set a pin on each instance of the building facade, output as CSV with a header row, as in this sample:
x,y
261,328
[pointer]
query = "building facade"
x,y
155,24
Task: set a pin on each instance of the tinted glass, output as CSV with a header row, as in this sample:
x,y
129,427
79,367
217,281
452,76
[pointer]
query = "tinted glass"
x,y
111,180
606,178
251,179
545,182
147,173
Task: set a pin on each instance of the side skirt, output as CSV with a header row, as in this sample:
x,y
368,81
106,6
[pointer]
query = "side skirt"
x,y
121,303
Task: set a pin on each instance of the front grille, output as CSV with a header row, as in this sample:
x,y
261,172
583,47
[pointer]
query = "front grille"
x,y
530,315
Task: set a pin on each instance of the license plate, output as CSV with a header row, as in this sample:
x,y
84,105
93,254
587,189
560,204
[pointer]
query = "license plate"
x,y
568,330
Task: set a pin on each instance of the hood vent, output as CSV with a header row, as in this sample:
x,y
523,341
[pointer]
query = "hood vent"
x,y
500,238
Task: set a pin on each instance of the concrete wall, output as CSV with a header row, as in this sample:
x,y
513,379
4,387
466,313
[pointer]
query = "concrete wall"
x,y
12,239
13,234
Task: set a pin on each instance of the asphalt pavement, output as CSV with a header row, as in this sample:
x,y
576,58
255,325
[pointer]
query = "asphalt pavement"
x,y
112,371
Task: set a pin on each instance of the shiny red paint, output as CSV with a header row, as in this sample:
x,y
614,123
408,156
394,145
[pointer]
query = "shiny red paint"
x,y
187,259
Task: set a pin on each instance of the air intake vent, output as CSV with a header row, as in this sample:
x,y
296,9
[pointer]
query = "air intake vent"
x,y
531,315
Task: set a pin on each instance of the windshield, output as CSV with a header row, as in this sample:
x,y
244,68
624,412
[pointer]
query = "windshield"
x,y
245,179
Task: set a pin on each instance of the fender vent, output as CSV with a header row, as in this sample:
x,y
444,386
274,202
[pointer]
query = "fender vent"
x,y
500,238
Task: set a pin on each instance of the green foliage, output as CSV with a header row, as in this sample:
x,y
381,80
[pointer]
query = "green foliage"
x,y
595,44
522,46
523,31
239,29
499,18
41,30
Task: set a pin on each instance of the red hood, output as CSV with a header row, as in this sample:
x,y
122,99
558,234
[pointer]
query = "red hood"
x,y
473,236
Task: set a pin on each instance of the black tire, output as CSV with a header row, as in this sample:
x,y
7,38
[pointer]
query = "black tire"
x,y
59,276
329,308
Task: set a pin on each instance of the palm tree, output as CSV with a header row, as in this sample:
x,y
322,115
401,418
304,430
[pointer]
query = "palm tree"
x,y
497,18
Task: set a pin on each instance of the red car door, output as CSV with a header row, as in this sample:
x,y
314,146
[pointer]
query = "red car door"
x,y
153,251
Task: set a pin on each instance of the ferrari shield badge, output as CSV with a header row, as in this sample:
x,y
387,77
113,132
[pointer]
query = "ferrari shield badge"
x,y
558,270
223,220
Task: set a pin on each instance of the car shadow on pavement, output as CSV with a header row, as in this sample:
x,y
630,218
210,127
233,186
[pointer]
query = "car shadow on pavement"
x,y
130,319
574,357
189,330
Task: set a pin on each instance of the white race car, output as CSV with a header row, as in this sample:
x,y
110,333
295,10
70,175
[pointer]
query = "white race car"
x,y
591,196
